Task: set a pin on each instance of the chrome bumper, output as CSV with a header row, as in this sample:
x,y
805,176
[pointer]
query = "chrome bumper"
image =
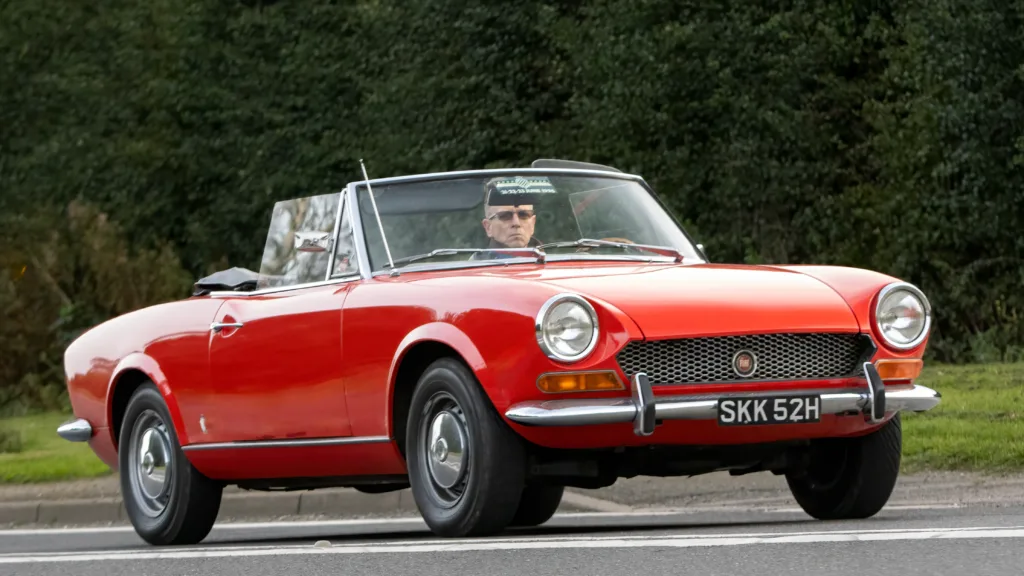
x,y
643,409
75,431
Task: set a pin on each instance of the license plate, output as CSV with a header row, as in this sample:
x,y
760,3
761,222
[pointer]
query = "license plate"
x,y
769,410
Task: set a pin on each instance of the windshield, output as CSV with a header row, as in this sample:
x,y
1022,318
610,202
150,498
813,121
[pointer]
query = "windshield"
x,y
491,217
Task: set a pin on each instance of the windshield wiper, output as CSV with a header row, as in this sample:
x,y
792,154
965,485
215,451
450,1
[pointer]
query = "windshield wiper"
x,y
539,254
591,243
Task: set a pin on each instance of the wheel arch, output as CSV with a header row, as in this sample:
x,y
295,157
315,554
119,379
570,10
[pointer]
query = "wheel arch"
x,y
417,351
131,373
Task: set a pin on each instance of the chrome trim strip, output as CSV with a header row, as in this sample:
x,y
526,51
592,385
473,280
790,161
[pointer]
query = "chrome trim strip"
x,y
293,443
496,172
337,229
362,248
464,264
276,289
78,430
457,265
705,406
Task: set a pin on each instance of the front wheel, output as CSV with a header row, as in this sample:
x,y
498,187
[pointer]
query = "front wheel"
x,y
466,467
167,500
848,478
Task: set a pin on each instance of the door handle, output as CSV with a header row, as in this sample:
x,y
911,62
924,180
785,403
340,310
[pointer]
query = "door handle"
x,y
218,326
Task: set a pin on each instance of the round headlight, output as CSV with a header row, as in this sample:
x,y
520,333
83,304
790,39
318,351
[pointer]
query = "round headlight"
x,y
903,315
567,328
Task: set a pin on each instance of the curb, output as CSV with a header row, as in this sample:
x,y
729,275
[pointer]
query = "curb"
x,y
332,503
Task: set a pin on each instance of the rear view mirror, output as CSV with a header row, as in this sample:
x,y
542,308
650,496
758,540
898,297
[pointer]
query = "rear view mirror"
x,y
312,241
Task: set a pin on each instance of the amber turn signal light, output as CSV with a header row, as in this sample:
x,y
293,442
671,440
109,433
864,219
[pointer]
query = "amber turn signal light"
x,y
579,382
899,369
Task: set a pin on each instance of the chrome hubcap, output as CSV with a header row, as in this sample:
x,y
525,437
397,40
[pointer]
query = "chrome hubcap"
x,y
445,453
153,456
151,463
446,444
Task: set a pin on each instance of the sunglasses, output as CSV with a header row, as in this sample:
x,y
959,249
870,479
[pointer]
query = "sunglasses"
x,y
506,215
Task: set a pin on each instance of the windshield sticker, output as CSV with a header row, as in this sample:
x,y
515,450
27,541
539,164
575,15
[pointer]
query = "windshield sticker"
x,y
520,186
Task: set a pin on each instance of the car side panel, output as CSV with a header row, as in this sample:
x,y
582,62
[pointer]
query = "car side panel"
x,y
167,342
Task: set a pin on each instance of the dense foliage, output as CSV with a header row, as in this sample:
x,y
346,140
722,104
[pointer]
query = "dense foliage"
x,y
144,143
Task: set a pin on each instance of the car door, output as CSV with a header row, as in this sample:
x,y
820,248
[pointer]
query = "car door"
x,y
276,353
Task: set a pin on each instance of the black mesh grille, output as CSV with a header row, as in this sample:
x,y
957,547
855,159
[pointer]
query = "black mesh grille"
x,y
779,357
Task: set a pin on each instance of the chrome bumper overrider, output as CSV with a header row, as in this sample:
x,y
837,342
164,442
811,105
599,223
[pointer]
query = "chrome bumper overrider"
x,y
643,409
75,431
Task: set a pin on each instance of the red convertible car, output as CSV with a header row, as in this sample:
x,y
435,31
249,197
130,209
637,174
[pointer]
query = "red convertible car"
x,y
488,338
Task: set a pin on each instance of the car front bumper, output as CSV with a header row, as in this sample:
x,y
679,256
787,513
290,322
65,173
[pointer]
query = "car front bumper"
x,y
643,409
78,430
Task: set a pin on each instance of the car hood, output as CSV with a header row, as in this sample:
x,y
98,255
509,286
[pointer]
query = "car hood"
x,y
708,300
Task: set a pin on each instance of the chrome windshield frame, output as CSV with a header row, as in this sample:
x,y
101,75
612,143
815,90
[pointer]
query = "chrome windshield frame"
x,y
363,249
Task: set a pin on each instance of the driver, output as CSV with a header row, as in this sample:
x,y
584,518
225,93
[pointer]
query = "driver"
x,y
509,216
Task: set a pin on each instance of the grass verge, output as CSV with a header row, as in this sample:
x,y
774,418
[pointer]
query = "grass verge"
x,y
978,426
44,456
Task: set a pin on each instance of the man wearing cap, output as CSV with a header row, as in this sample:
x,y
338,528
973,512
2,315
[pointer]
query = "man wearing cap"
x,y
509,218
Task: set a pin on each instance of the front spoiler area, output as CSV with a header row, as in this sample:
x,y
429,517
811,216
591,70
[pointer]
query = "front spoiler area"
x,y
644,409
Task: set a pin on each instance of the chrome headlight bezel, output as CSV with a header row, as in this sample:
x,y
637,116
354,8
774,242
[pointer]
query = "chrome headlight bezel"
x,y
917,294
541,320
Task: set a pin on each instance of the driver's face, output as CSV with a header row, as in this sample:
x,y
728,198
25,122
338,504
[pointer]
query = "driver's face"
x,y
510,226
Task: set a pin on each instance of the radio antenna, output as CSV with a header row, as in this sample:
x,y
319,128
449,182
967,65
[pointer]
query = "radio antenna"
x,y
383,238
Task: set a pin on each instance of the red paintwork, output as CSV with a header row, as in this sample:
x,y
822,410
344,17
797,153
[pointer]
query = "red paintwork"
x,y
322,361
298,462
258,394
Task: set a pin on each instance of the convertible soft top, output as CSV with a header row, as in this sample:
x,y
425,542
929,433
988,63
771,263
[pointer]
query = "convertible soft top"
x,y
235,279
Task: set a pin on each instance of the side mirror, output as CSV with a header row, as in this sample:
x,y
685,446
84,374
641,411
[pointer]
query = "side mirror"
x,y
313,241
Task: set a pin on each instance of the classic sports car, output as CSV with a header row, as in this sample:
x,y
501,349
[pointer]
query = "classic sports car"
x,y
488,338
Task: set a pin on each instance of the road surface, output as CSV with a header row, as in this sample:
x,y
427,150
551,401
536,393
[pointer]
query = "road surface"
x,y
975,540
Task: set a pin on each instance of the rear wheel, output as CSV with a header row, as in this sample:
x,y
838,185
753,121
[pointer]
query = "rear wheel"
x,y
466,466
538,504
849,478
167,500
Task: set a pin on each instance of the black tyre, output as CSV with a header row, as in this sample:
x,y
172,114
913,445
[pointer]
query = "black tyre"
x,y
167,500
850,478
466,467
538,504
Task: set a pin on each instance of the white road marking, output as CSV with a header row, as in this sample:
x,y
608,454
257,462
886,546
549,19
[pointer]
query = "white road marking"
x,y
575,542
904,507
417,522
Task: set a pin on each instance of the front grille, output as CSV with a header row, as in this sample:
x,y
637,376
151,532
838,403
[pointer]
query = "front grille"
x,y
779,357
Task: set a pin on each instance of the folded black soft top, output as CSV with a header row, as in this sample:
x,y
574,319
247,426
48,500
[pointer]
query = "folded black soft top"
x,y
235,279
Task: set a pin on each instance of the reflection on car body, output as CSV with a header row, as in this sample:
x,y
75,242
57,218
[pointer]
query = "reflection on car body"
x,y
488,338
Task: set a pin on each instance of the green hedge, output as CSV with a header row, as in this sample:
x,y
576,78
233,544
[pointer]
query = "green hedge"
x,y
879,134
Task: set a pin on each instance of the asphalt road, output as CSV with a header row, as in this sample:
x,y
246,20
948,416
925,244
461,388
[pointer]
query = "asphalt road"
x,y
929,540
